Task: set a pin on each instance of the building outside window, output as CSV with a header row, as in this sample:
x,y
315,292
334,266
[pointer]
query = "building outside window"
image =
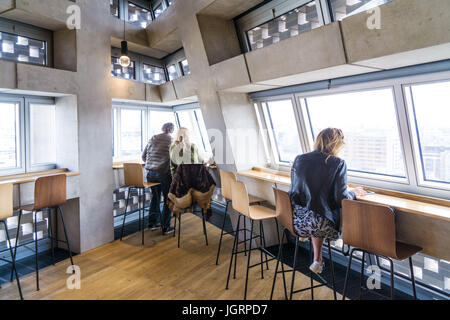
x,y
173,72
120,72
139,15
154,75
341,9
184,65
114,6
22,49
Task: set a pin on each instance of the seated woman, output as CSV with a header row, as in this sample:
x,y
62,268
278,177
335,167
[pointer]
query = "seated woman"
x,y
319,184
183,151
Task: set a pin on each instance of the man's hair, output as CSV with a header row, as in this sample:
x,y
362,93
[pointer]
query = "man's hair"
x,y
168,127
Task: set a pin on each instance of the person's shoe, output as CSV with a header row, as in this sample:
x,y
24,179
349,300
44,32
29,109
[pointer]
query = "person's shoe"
x,y
154,227
169,230
317,267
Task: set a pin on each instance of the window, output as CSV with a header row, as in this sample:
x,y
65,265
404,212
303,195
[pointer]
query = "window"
x,y
193,120
369,122
120,72
283,132
10,135
185,67
304,18
133,126
173,72
138,15
22,49
341,9
153,75
429,114
114,5
42,133
27,134
158,10
157,119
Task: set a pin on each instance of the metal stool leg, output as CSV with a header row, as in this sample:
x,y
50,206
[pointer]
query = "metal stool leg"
x,y
413,281
237,245
142,227
260,249
233,251
67,238
51,235
294,266
13,260
17,240
221,233
347,275
361,276
179,230
245,236
175,227
392,280
204,226
125,214
279,259
310,272
36,249
248,261
332,269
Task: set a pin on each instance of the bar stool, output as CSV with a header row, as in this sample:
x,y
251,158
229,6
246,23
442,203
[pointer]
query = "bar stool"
x,y
49,193
285,216
370,229
226,180
134,180
240,203
7,211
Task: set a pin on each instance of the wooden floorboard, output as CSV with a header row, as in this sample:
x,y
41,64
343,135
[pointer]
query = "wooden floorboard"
x,y
159,270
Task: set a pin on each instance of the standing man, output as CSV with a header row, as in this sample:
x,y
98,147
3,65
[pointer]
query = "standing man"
x,y
157,161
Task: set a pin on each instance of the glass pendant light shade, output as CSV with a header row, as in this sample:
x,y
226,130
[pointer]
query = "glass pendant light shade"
x,y
125,60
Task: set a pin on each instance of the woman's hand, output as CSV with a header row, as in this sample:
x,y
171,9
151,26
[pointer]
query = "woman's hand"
x,y
359,192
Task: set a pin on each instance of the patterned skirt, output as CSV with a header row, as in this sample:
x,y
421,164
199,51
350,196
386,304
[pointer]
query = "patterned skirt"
x,y
310,224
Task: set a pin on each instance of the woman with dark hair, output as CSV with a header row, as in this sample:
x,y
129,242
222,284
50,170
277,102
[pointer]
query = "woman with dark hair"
x,y
319,184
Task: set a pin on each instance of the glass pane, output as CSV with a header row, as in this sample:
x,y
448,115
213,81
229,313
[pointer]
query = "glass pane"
x,y
369,122
9,135
118,71
341,9
158,10
42,134
188,120
431,111
138,15
22,49
185,67
114,5
288,25
130,134
157,120
204,133
154,75
173,72
280,118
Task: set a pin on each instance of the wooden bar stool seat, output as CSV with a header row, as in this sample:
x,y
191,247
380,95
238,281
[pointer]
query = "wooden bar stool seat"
x,y
241,204
285,217
371,229
134,180
49,193
6,212
227,179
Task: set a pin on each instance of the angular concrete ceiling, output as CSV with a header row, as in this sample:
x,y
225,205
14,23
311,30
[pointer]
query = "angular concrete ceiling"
x,y
228,9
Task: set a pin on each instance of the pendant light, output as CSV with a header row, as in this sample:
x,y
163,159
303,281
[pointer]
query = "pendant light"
x,y
125,60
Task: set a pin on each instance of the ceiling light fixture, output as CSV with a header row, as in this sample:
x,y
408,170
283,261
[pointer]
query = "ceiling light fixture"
x,y
125,60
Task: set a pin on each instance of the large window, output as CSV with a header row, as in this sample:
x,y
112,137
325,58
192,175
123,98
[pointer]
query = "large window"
x,y
301,19
192,119
134,126
369,122
24,43
139,15
173,73
27,134
283,132
429,106
341,9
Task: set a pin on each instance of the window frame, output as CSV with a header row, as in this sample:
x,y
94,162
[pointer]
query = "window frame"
x,y
31,32
24,141
413,182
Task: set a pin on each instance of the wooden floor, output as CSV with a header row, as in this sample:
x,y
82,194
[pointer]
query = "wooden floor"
x,y
159,270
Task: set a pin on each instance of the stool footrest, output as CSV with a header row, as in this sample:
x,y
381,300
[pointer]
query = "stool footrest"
x,y
309,288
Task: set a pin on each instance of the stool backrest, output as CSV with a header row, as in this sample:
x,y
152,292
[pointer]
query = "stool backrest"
x,y
50,191
285,215
370,227
240,199
6,201
226,180
134,176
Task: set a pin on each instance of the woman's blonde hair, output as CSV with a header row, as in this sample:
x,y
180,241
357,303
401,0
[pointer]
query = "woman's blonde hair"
x,y
182,139
329,142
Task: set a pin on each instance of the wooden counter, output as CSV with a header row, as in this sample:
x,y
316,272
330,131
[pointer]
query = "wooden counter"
x,y
31,177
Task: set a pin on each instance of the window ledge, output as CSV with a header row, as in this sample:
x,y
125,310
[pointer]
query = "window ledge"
x,y
32,176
